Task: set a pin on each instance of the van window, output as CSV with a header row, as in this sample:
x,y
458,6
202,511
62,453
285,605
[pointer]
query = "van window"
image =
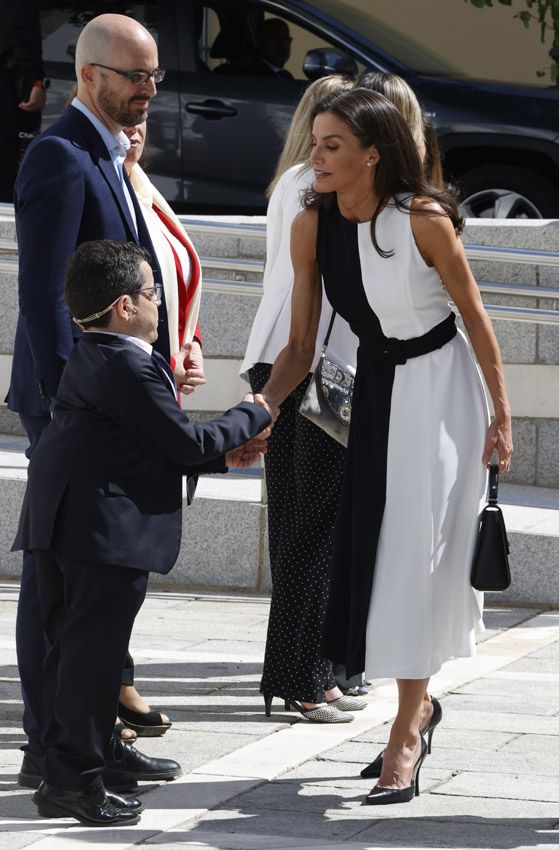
x,y
237,40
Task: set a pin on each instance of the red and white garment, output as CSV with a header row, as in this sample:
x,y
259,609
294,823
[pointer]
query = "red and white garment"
x,y
178,260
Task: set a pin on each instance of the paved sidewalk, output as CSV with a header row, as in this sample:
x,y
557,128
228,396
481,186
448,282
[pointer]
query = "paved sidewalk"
x,y
252,783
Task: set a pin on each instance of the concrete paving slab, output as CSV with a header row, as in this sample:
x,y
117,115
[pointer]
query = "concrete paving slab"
x,y
454,759
315,797
514,685
239,724
543,747
334,774
19,840
531,664
496,811
501,763
508,786
269,822
456,835
551,651
472,739
192,748
507,704
244,841
500,721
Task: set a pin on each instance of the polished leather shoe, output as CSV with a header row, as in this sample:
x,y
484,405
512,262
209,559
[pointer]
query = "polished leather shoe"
x,y
31,774
130,804
93,809
127,759
31,771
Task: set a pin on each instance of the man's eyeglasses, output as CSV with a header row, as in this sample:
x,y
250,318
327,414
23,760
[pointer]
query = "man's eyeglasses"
x,y
152,293
139,78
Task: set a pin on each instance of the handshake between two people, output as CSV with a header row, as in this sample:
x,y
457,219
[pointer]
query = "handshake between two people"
x,y
249,453
189,375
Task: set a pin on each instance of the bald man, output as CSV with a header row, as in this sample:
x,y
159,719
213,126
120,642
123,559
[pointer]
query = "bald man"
x,y
72,188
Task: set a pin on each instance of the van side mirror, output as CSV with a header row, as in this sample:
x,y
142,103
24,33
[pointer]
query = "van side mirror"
x,y
327,60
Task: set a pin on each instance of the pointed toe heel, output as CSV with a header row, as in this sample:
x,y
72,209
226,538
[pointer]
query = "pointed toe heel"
x,y
380,796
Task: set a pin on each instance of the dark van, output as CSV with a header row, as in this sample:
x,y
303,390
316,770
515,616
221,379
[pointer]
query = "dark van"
x,y
215,130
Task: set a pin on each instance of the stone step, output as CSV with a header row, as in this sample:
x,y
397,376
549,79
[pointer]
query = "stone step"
x,y
224,528
225,545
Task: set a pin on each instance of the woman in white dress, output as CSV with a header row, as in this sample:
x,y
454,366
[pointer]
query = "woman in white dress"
x,y
386,245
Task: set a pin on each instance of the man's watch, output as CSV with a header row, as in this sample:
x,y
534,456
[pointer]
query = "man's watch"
x,y
41,84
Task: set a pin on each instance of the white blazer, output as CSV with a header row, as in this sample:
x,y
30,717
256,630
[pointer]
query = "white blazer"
x,y
270,330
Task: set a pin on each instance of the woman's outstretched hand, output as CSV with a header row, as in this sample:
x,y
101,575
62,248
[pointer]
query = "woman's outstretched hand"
x,y
499,438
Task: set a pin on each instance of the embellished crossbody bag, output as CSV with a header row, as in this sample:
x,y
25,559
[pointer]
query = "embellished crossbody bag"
x,y
327,401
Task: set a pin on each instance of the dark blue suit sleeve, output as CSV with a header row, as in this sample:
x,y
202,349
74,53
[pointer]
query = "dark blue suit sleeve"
x,y
143,405
49,202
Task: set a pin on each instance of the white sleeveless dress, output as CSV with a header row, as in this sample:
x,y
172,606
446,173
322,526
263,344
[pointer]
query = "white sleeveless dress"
x,y
425,422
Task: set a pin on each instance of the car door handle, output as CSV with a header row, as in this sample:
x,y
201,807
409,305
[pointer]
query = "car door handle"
x,y
213,110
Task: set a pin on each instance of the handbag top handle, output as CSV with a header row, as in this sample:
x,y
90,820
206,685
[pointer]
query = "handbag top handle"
x,y
329,331
493,483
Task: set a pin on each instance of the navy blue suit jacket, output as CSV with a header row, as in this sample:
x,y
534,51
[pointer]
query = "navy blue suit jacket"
x,y
105,480
67,192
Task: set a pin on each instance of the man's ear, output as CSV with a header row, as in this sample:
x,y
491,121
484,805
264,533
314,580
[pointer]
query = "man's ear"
x,y
125,308
87,75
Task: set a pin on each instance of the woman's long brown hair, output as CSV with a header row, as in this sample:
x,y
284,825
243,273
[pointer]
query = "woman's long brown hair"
x,y
374,120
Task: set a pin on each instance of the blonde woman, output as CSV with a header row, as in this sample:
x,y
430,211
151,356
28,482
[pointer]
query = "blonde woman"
x,y
303,464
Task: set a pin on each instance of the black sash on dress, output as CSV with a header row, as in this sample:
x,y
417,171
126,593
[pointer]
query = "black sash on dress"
x,y
363,494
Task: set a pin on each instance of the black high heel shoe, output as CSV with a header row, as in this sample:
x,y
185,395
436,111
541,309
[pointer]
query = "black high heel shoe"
x,y
374,769
379,796
268,704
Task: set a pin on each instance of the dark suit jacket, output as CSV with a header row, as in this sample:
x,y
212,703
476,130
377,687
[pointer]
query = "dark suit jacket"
x,y
105,481
67,192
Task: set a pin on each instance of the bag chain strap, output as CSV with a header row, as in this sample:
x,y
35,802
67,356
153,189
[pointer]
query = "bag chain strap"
x,y
329,331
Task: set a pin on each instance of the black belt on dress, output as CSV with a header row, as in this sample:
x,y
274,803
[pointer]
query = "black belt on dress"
x,y
398,351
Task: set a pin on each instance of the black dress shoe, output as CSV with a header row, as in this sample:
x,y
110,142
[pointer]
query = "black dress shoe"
x,y
127,759
31,774
130,804
93,809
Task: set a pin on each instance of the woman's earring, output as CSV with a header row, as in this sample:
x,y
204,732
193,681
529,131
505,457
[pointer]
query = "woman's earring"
x,y
369,164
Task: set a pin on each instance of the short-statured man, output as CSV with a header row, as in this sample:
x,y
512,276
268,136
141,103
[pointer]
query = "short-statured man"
x,y
103,508
71,187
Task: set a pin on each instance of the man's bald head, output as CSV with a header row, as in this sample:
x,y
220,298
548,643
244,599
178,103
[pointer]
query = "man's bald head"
x,y
124,45
107,36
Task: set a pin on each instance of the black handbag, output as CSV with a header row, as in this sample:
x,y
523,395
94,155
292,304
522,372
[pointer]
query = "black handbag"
x,y
490,565
328,397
